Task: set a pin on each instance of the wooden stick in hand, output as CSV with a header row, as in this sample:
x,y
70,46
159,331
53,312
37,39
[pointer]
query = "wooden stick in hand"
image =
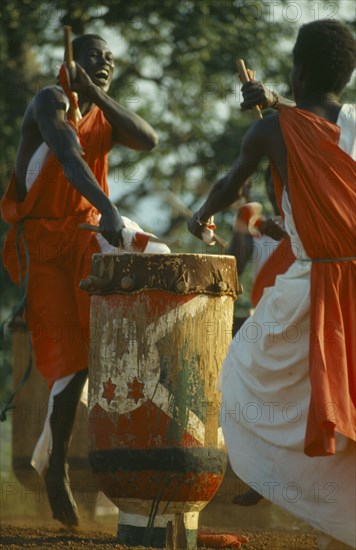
x,y
176,203
69,61
244,76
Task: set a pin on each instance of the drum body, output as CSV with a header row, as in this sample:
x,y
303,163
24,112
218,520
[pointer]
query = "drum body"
x,y
155,446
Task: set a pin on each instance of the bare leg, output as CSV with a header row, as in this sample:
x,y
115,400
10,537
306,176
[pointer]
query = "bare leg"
x,y
62,419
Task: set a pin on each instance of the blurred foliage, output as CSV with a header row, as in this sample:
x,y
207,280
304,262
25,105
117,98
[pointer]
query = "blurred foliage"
x,y
177,68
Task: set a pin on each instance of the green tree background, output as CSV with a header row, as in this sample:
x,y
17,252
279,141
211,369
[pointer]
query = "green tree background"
x,y
175,67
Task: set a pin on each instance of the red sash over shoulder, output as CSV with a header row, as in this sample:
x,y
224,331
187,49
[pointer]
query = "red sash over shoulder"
x,y
322,191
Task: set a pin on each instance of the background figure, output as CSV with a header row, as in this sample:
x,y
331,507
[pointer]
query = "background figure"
x,y
259,247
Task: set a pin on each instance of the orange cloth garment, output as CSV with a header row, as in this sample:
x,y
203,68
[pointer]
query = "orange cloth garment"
x,y
277,263
220,540
60,252
321,179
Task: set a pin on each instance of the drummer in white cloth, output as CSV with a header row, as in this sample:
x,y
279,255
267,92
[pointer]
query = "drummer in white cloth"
x,y
265,446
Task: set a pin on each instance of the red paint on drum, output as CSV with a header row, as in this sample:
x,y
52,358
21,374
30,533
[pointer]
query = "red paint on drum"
x,y
159,302
142,428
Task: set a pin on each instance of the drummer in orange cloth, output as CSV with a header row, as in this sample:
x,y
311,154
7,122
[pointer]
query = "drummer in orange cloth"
x,y
298,348
59,182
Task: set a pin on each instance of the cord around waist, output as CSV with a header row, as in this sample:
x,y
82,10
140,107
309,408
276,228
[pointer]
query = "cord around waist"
x,y
325,260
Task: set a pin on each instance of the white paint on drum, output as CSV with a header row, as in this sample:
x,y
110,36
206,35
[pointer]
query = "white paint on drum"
x,y
137,520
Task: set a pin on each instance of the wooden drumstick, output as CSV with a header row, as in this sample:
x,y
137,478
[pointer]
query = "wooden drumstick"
x,y
176,203
245,77
69,61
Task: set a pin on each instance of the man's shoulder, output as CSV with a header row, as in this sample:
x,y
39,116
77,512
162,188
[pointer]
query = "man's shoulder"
x,y
265,127
264,138
51,95
271,121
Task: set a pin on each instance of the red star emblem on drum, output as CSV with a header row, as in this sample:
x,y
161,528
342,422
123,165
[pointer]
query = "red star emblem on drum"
x,y
109,391
135,389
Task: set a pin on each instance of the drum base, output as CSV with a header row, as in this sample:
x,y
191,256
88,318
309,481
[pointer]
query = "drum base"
x,y
136,530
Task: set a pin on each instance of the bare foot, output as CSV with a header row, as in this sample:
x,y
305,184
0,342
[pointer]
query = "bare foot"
x,y
60,497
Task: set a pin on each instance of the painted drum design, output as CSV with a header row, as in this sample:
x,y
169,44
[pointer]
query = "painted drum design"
x,y
155,446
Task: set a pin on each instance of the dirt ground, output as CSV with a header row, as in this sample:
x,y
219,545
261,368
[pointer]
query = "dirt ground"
x,y
15,536
266,526
25,522
25,518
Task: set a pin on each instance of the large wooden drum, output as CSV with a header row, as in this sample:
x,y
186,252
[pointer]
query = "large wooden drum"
x,y
160,328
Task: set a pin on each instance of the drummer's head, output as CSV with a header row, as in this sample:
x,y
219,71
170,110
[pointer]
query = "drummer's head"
x,y
83,43
323,59
93,54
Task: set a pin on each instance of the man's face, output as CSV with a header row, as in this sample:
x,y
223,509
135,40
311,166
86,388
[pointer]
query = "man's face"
x,y
97,60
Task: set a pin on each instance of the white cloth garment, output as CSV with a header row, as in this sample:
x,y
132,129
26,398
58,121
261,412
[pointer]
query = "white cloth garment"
x,y
40,156
42,450
135,239
265,399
